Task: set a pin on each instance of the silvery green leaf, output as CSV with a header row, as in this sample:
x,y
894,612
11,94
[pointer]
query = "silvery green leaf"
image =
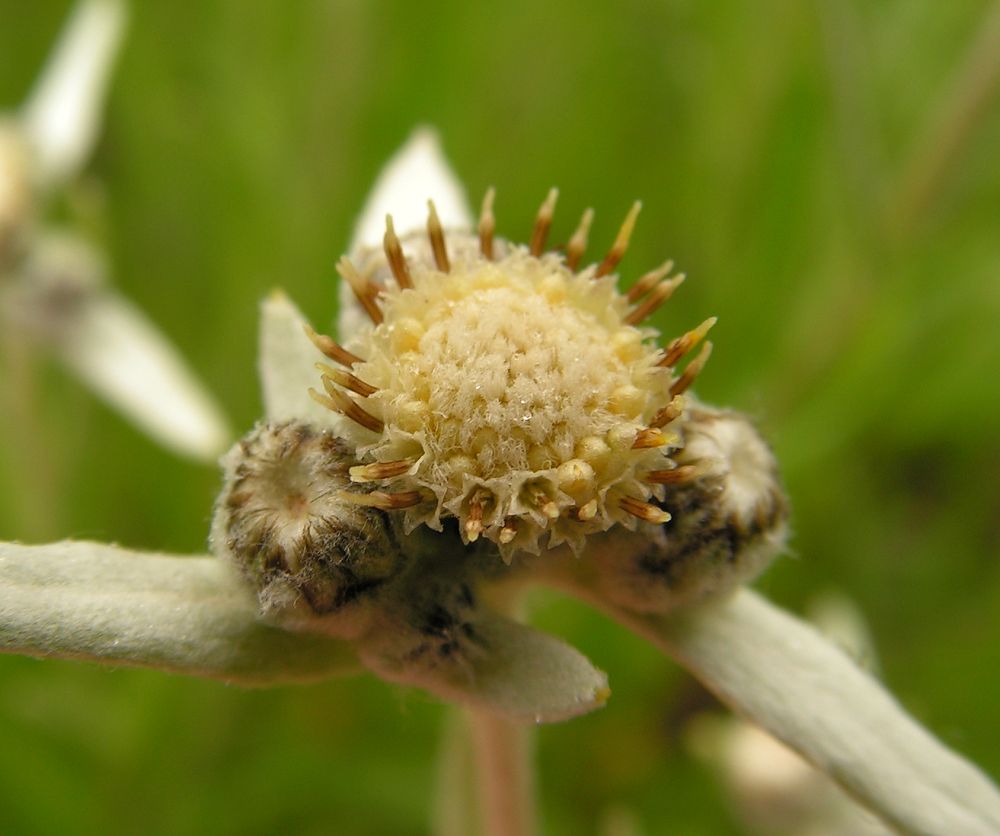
x,y
782,674
190,615
62,115
515,671
288,365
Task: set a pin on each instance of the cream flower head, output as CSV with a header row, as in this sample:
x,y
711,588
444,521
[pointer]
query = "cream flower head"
x,y
506,387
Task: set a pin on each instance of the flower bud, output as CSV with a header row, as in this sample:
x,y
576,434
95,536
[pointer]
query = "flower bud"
x,y
286,520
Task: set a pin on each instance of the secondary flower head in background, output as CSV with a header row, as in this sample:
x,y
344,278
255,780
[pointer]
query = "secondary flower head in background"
x,y
53,288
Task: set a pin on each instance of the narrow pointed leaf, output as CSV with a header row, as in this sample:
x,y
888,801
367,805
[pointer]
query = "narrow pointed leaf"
x,y
113,346
62,116
190,615
288,365
517,672
782,674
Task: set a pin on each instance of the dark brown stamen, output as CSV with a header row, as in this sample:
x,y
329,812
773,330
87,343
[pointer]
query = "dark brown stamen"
x,y
487,224
334,350
617,251
657,296
347,380
676,476
394,253
384,501
670,412
648,281
683,344
337,401
692,370
436,234
364,289
649,437
543,222
578,243
643,510
380,470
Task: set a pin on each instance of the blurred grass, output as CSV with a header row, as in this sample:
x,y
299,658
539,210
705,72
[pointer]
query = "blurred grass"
x,y
774,144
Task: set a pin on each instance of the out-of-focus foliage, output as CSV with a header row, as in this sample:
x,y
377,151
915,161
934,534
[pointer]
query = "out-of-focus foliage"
x,y
809,165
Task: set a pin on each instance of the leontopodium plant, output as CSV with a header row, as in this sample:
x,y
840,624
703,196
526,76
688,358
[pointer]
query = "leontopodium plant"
x,y
490,416
53,287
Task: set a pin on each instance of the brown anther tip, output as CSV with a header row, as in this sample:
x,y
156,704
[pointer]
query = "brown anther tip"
x,y
656,297
383,501
347,380
487,224
473,528
670,412
377,471
349,408
619,247
578,242
676,476
692,370
684,343
330,348
644,510
650,437
543,222
648,281
364,290
436,235
323,400
394,254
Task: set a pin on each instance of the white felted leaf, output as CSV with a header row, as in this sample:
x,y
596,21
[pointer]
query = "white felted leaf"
x,y
63,113
418,172
782,674
288,365
112,345
190,615
520,673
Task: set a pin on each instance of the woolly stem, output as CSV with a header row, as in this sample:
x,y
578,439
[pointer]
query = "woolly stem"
x,y
503,758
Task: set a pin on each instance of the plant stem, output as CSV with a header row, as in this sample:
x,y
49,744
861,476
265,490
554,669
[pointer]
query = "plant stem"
x,y
780,673
503,758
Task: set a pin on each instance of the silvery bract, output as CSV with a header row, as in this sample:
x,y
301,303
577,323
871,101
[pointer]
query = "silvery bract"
x,y
53,290
365,523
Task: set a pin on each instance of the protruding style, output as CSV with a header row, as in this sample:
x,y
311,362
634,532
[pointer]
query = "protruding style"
x,y
487,224
577,245
543,222
436,234
394,254
620,246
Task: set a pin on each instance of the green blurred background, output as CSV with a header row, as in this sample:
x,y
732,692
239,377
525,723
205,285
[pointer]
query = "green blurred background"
x,y
826,172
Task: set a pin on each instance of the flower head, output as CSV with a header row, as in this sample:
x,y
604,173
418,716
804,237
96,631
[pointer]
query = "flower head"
x,y
52,281
505,387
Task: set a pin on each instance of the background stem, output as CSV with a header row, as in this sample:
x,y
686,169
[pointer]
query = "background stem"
x,y
503,757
